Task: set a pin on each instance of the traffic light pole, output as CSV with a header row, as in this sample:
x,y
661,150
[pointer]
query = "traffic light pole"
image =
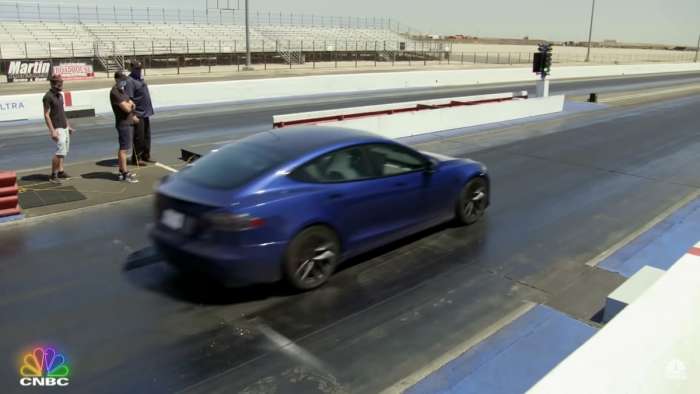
x,y
543,87
590,34
248,66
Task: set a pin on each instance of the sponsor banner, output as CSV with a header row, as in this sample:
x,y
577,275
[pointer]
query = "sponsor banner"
x,y
18,69
21,106
74,71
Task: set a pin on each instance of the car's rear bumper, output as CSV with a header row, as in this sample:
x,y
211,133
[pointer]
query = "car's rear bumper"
x,y
228,265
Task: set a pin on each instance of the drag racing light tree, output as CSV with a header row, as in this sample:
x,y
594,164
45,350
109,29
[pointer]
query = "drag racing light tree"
x,y
542,64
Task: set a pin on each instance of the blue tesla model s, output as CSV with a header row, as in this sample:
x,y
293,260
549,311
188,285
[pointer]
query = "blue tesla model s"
x,y
293,203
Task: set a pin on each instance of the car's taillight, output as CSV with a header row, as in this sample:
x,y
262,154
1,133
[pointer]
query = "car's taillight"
x,y
227,221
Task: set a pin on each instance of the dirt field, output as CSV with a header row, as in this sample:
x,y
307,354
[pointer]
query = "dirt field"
x,y
576,54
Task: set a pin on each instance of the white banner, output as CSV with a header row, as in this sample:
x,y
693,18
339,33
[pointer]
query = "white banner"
x,y
74,71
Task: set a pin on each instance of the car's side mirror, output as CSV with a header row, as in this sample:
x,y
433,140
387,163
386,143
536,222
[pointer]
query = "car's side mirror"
x,y
430,167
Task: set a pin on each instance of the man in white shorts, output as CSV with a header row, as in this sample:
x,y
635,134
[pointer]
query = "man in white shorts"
x,y
59,129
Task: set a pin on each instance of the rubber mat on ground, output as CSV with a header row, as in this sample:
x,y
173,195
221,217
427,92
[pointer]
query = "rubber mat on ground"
x,y
37,191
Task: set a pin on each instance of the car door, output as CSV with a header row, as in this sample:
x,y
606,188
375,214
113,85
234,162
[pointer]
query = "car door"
x,y
403,174
366,207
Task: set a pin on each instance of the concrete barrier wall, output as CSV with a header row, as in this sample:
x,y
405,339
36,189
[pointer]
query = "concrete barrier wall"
x,y
173,95
21,106
406,124
649,347
385,107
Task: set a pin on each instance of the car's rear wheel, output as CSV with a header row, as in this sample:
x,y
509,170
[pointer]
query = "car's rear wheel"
x,y
472,201
311,258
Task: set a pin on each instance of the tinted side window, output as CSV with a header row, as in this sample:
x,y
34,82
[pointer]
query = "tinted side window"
x,y
344,165
232,166
387,159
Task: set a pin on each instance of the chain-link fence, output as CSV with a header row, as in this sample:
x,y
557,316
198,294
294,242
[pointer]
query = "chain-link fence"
x,y
350,56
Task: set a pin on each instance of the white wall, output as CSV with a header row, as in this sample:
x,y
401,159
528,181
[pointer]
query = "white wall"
x,y
652,346
406,124
171,95
21,106
383,107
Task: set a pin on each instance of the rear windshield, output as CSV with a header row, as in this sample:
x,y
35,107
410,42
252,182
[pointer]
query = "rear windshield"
x,y
232,166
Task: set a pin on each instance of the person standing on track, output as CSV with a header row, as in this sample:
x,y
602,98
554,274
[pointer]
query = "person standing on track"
x,y
137,89
59,128
125,119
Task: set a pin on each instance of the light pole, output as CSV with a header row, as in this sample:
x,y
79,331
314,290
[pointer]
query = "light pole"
x,y
697,50
590,34
247,37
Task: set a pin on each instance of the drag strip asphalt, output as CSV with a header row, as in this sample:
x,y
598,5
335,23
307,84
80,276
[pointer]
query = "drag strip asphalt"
x,y
89,283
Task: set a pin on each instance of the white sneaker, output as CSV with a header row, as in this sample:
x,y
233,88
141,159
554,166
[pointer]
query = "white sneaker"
x,y
129,177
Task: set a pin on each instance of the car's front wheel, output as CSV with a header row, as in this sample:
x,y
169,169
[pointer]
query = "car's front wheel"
x,y
311,257
472,201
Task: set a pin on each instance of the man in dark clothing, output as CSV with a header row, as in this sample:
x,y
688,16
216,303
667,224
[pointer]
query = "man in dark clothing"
x,y
137,89
125,118
59,129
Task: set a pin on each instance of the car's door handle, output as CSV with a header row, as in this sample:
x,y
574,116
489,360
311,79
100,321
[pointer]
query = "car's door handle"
x,y
334,196
400,184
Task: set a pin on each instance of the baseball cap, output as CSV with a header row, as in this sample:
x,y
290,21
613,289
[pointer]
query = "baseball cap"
x,y
119,75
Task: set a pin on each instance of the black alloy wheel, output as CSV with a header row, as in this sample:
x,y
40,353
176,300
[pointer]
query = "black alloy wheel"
x,y
472,201
311,258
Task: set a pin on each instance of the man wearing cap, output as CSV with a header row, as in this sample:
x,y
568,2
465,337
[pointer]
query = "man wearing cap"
x,y
59,128
125,118
137,89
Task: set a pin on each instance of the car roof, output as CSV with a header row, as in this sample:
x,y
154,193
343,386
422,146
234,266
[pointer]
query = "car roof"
x,y
293,142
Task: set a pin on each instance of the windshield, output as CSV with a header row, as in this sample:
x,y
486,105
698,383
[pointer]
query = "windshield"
x,y
232,166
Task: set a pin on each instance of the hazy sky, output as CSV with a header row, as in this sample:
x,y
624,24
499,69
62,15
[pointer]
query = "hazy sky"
x,y
655,21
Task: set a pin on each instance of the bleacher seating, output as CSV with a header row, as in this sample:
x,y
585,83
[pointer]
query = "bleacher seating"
x,y
22,39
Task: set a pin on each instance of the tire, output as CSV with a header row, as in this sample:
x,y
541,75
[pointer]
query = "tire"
x,y
311,258
472,202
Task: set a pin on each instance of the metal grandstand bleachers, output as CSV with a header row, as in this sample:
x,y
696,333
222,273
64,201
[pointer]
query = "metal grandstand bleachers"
x,y
35,31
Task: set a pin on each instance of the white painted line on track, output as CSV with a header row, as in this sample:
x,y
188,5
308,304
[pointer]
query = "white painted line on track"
x,y
287,346
411,380
32,220
658,219
165,167
650,94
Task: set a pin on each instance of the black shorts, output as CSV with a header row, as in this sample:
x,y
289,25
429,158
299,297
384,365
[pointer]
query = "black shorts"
x,y
126,132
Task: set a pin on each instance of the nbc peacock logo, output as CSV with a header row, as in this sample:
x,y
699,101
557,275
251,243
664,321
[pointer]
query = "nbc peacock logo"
x,y
44,366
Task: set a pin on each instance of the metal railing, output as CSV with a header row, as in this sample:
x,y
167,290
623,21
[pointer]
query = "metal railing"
x,y
350,56
83,49
83,13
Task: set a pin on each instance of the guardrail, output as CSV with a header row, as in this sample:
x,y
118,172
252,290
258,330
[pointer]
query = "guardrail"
x,y
93,13
311,54
422,117
280,121
28,106
17,50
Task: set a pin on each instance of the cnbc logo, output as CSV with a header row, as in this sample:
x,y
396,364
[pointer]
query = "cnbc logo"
x,y
44,366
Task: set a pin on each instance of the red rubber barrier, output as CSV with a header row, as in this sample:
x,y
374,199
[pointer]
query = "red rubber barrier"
x,y
9,191
8,178
9,202
9,194
67,99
